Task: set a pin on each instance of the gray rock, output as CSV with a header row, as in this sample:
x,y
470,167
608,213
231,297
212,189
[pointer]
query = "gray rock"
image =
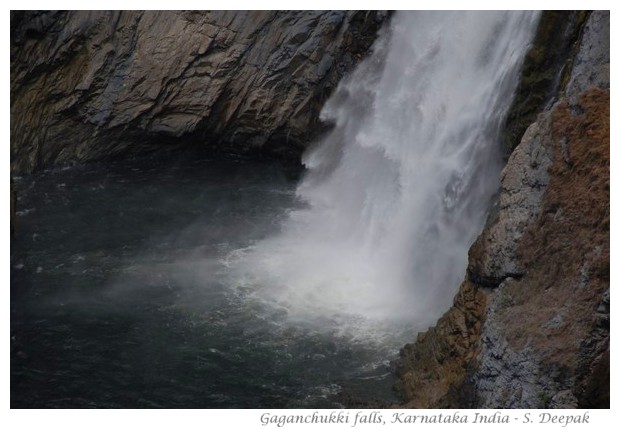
x,y
493,257
509,378
88,85
555,322
563,399
591,66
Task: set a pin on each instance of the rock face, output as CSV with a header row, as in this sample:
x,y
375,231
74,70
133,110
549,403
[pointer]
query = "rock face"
x,y
493,257
90,85
530,325
547,66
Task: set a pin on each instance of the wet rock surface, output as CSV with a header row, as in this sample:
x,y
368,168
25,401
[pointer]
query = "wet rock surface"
x,y
91,85
545,72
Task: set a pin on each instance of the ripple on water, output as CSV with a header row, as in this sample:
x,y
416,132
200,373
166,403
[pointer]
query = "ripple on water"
x,y
141,310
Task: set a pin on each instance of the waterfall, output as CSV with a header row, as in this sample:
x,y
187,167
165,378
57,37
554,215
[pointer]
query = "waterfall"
x,y
399,189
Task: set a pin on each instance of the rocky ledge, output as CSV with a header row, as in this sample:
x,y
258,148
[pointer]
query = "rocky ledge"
x,y
529,327
92,85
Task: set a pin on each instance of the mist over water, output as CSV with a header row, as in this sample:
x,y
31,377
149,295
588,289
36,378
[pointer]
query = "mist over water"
x,y
398,191
230,283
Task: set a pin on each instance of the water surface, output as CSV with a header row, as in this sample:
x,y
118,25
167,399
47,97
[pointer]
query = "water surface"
x,y
122,295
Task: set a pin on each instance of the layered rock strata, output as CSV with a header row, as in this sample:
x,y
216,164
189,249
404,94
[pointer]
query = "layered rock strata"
x,y
92,85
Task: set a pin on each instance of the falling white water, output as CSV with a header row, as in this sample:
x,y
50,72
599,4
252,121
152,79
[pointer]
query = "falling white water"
x,y
399,189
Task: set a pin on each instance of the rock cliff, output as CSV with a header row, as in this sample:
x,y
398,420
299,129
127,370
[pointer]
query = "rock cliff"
x,y
92,85
529,327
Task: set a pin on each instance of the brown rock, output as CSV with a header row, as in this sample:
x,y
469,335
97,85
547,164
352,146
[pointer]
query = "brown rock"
x,y
433,371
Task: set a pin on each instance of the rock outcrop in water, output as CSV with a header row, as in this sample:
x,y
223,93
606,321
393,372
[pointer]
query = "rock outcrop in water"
x,y
92,85
529,327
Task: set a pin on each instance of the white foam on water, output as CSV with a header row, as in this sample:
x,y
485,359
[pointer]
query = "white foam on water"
x,y
399,189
